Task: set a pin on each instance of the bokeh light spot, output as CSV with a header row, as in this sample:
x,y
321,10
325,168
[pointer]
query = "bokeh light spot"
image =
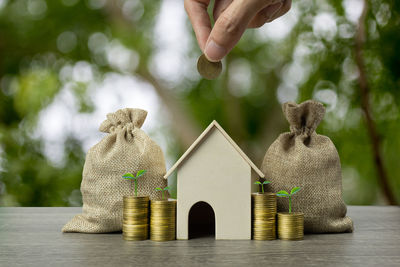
x,y
66,42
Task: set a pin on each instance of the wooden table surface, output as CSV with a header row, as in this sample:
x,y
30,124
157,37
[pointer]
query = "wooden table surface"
x,y
32,236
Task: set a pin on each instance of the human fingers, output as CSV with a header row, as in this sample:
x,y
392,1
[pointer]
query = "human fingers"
x,y
229,27
219,7
197,12
265,15
287,4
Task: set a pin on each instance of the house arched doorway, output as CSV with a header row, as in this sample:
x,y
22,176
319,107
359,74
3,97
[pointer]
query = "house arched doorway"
x,y
201,220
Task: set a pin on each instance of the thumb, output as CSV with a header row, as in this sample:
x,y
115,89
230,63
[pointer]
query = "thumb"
x,y
228,29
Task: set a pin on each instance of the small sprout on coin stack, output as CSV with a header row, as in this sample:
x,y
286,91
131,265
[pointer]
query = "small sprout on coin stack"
x,y
262,184
130,176
283,193
208,69
162,191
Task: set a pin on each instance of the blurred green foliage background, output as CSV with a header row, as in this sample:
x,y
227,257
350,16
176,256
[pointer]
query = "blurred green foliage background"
x,y
326,50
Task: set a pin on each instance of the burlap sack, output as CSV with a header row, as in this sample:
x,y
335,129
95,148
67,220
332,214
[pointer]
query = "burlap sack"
x,y
309,160
126,148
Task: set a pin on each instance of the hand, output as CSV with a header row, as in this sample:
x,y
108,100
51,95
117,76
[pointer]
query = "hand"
x,y
232,17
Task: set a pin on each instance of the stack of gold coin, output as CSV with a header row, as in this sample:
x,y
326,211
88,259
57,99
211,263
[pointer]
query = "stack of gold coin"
x,y
162,220
135,223
264,216
291,225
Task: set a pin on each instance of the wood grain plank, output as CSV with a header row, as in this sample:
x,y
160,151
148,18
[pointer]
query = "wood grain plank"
x,y
32,237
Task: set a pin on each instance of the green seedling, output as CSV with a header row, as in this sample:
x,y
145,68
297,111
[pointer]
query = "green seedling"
x,y
262,184
130,176
162,191
283,193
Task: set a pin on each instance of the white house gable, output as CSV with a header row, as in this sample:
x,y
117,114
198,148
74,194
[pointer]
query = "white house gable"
x,y
215,170
217,174
213,126
214,167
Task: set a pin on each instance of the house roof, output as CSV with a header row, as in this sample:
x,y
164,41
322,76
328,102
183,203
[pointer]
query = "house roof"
x,y
202,137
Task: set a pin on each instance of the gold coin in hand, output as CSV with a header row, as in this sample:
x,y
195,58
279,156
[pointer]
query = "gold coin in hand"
x,y
208,69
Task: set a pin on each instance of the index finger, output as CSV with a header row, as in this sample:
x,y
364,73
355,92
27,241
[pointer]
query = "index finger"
x,y
197,12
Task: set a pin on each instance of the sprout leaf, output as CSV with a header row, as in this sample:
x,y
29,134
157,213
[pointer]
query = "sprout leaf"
x,y
128,176
140,173
295,190
282,193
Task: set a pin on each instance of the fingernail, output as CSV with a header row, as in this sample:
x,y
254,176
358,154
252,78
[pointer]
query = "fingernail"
x,y
214,52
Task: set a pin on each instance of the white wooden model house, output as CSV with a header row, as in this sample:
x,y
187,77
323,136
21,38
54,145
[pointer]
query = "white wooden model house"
x,y
216,171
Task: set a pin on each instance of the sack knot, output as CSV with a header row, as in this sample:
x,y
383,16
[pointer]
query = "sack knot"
x,y
128,118
305,117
